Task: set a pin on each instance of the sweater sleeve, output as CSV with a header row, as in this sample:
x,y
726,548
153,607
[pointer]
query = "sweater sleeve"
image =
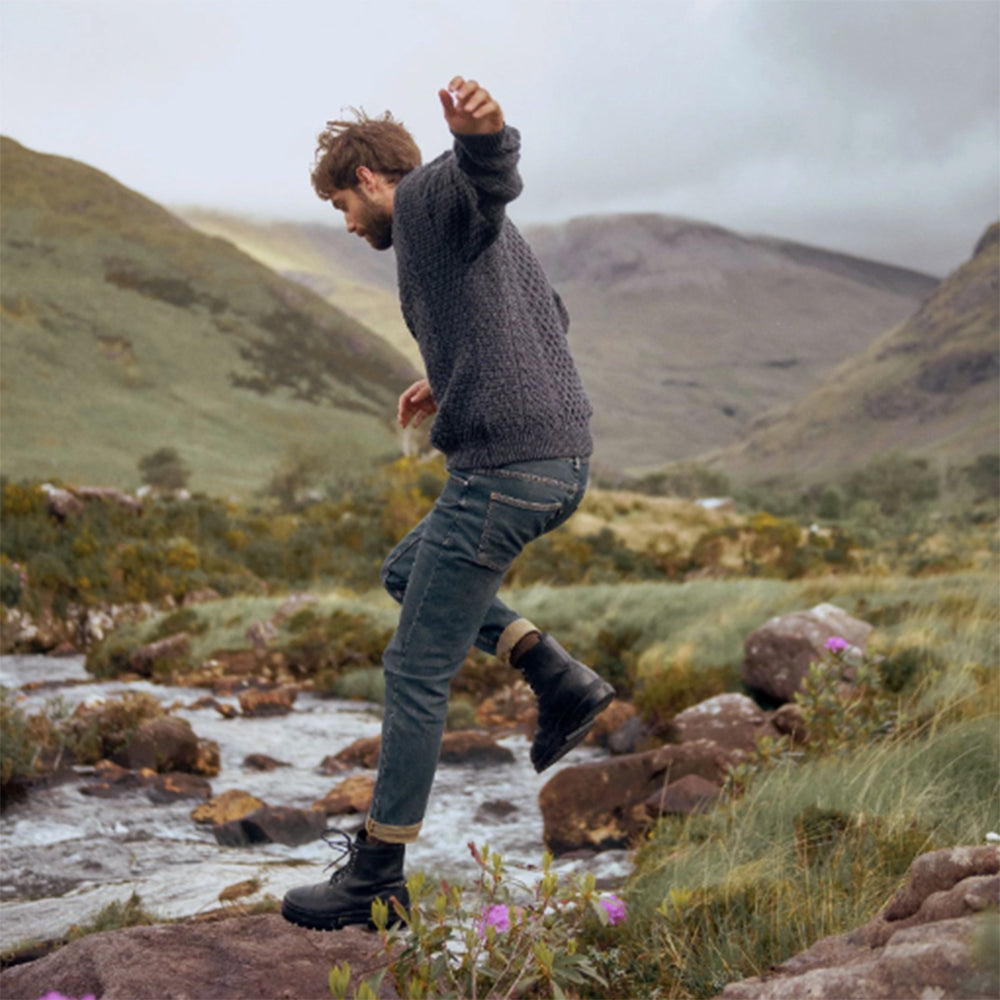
x,y
473,195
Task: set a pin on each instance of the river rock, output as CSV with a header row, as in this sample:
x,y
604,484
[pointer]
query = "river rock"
x,y
777,656
928,942
262,762
476,749
272,825
276,701
241,958
165,743
233,804
361,753
162,656
176,785
601,805
610,721
352,795
628,737
683,797
733,721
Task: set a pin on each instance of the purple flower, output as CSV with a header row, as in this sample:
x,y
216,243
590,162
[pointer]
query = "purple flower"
x,y
614,907
497,917
835,644
56,995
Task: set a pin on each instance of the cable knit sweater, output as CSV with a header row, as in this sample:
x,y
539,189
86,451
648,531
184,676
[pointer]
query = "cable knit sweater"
x,y
491,329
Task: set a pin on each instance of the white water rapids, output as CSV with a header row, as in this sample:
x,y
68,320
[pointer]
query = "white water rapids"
x,y
65,855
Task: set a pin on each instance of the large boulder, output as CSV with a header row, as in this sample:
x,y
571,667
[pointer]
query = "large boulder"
x,y
603,804
165,743
241,958
352,795
734,721
161,657
260,702
928,942
777,656
463,746
230,805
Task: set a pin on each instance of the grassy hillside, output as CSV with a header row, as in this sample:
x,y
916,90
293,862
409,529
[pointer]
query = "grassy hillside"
x,y
685,333
928,387
125,330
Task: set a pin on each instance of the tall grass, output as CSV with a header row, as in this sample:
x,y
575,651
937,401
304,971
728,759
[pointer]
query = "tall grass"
x,y
810,850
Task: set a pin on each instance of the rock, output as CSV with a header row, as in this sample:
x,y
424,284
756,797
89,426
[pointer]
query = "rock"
x,y
496,811
230,805
610,721
789,721
241,958
733,721
602,805
112,780
687,795
361,753
272,825
777,656
513,707
464,746
162,656
165,743
164,788
921,945
628,737
476,749
260,702
209,760
353,795
261,762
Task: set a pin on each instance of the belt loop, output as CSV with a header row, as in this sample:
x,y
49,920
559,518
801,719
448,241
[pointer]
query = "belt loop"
x,y
576,463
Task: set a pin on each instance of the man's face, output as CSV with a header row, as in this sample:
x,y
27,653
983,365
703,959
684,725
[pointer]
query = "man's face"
x,y
364,216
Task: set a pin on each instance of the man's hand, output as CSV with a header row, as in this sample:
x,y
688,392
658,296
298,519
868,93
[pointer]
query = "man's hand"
x,y
469,109
416,403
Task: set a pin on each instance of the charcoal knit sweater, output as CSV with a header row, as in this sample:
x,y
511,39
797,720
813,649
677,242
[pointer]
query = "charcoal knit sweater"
x,y
491,329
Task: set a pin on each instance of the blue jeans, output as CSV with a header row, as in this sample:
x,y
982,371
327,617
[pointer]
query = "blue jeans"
x,y
446,573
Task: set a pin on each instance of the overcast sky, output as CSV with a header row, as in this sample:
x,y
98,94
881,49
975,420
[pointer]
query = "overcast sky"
x,y
868,126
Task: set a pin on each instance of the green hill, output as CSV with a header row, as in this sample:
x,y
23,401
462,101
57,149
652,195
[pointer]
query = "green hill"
x,y
928,387
125,330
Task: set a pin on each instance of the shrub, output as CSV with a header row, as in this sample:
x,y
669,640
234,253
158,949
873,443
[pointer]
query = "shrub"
x,y
497,939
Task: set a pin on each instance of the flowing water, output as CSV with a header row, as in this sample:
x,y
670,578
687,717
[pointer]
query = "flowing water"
x,y
65,855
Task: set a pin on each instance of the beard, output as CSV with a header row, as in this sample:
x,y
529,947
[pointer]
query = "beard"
x,y
376,224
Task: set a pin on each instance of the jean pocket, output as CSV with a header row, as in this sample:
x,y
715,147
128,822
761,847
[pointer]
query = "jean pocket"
x,y
510,524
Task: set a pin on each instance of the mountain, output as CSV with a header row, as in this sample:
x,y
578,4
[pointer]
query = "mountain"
x,y
685,333
928,387
126,330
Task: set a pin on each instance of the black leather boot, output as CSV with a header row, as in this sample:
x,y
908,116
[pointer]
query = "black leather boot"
x,y
372,871
570,697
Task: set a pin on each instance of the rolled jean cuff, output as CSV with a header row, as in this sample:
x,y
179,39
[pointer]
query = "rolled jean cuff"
x,y
511,636
393,834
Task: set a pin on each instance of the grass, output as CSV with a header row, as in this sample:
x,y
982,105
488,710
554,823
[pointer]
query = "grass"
x,y
811,850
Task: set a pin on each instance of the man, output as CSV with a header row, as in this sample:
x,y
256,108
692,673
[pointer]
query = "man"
x,y
512,420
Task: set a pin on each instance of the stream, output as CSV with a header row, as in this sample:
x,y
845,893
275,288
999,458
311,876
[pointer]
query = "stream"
x,y
66,855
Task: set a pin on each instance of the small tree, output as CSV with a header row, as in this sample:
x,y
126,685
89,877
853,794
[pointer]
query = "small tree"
x,y
164,469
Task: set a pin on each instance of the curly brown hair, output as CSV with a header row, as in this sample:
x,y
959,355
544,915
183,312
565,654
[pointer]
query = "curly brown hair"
x,y
382,144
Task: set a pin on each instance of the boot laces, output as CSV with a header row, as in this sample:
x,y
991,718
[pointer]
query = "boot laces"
x,y
340,840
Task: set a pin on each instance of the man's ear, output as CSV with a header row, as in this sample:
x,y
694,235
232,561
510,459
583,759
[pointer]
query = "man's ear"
x,y
367,179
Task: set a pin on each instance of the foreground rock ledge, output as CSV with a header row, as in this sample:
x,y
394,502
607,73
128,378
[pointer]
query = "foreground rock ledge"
x,y
259,957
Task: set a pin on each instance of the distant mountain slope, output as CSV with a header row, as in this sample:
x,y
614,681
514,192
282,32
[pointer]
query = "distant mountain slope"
x,y
929,387
685,332
125,330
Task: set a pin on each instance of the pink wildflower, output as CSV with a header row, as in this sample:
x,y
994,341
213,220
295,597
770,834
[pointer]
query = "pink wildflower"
x,y
56,995
835,644
615,909
497,917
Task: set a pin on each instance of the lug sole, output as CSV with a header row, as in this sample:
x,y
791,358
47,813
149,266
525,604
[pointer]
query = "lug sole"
x,y
333,921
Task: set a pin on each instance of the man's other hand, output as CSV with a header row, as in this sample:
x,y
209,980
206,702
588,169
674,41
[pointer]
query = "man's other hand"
x,y
416,403
469,109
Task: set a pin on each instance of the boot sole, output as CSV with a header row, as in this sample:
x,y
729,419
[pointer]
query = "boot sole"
x,y
333,921
577,735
